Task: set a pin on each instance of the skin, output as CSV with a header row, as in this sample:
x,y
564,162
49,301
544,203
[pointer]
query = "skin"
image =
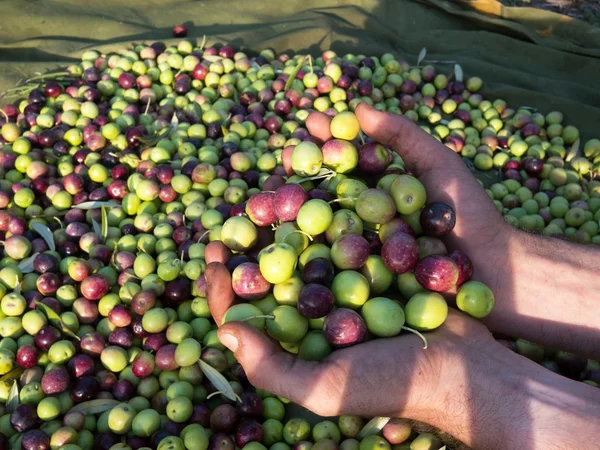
x,y
465,382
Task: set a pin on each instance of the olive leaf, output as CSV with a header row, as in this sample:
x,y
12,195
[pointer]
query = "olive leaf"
x,y
225,124
96,227
95,205
11,376
13,397
151,141
323,173
292,77
422,55
458,72
45,233
218,380
55,319
104,233
212,58
26,266
374,426
573,151
97,406
174,121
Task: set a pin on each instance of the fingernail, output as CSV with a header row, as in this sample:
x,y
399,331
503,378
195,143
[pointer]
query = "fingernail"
x,y
229,341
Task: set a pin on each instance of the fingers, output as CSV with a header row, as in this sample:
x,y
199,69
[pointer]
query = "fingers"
x,y
219,291
216,251
419,150
270,368
318,125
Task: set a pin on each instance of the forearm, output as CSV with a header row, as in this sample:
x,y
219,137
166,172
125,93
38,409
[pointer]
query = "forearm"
x,y
547,291
500,400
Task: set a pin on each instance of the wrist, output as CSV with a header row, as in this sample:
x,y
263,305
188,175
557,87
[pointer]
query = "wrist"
x,y
498,399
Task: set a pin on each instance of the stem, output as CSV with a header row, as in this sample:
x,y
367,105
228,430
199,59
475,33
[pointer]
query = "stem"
x,y
203,234
362,137
323,173
48,75
59,221
221,393
147,106
423,338
310,63
310,238
203,43
371,230
4,114
260,316
343,199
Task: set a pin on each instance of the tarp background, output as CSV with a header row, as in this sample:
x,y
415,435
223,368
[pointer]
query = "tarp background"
x,y
525,56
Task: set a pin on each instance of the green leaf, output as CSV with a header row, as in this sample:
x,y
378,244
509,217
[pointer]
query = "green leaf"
x,y
174,121
97,406
573,151
96,227
11,376
374,426
26,266
292,77
45,233
212,58
225,124
104,224
13,397
422,55
458,72
95,205
218,380
55,320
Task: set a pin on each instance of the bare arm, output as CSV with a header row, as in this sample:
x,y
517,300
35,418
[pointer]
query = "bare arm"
x,y
548,291
504,401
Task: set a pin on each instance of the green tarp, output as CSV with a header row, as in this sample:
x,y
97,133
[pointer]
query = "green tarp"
x,y
526,56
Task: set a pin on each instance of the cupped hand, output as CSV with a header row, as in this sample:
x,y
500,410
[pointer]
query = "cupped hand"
x,y
480,230
384,377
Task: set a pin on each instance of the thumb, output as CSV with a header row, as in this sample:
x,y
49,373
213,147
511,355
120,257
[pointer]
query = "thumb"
x,y
219,291
419,150
267,366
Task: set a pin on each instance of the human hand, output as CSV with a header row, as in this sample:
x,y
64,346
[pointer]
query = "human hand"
x,y
480,230
392,377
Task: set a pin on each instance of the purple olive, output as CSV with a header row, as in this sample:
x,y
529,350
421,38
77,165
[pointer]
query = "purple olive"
x,y
55,381
223,419
437,273
248,431
437,219
344,327
315,301
400,252
85,388
465,266
24,418
319,271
